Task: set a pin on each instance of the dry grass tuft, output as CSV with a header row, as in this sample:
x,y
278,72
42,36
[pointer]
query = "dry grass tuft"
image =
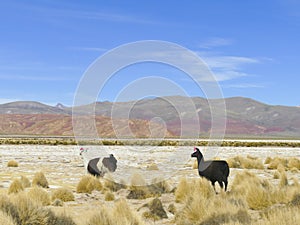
x,y
15,187
112,185
30,212
136,191
283,180
291,163
282,215
119,214
187,187
276,175
25,181
58,202
6,219
109,196
152,166
205,207
12,163
39,195
63,194
249,162
87,184
256,191
102,217
39,179
195,164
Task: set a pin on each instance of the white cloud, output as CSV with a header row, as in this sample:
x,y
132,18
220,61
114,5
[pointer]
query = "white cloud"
x,y
215,42
243,85
32,78
227,67
92,49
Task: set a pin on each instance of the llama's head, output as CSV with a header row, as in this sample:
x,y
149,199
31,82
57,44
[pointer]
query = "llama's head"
x,y
82,151
197,153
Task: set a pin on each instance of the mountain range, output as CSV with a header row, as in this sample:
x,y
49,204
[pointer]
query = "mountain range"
x,y
171,116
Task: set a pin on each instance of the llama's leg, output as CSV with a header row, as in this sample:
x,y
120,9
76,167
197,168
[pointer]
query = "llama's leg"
x,y
221,184
213,184
226,183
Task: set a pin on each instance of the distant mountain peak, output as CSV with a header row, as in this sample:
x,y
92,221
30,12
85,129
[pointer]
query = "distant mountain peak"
x,y
60,106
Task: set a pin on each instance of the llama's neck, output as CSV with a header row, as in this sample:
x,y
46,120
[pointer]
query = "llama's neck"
x,y
200,159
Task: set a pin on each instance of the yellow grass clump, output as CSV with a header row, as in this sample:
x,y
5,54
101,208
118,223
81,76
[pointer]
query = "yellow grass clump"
x,y
63,194
283,215
140,190
119,214
291,163
39,179
26,211
15,187
109,196
6,219
87,184
12,163
248,162
110,184
203,206
195,165
39,195
152,166
25,181
187,187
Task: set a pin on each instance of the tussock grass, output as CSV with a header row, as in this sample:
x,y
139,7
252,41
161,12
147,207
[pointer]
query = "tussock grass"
x,y
30,212
140,190
110,184
187,188
202,206
248,162
276,174
25,181
102,217
12,163
261,194
152,166
58,202
109,196
291,163
15,187
39,195
195,165
6,219
63,194
119,214
283,215
39,179
87,184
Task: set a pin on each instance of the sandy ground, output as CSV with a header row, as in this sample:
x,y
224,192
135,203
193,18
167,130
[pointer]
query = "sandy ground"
x,y
63,166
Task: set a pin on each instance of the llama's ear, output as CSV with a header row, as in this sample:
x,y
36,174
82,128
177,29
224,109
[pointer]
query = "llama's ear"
x,y
195,149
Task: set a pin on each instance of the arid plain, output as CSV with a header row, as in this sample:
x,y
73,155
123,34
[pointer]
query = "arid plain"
x,y
169,165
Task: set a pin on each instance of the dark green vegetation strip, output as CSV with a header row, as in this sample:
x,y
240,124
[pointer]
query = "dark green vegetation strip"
x,y
145,142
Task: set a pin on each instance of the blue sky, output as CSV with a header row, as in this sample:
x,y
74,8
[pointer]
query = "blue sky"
x,y
252,47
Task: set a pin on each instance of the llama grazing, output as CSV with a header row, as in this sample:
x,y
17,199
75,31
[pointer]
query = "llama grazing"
x,y
98,166
213,170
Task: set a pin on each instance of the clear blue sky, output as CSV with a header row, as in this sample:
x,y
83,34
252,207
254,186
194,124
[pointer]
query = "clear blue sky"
x,y
253,47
